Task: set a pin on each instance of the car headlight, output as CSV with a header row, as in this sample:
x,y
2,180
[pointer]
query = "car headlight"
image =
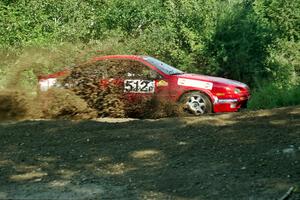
x,y
237,91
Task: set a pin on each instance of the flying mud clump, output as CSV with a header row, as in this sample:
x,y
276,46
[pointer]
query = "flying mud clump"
x,y
60,103
53,104
103,96
13,105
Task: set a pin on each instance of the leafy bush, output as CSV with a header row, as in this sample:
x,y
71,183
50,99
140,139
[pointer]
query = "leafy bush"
x,y
282,18
238,48
281,15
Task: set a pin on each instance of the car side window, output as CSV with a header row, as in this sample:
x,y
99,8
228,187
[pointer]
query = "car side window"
x,y
94,69
119,68
130,69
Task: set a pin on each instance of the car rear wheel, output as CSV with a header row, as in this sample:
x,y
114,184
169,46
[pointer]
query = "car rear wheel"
x,y
196,103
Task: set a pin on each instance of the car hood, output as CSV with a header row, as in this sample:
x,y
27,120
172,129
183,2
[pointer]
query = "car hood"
x,y
212,79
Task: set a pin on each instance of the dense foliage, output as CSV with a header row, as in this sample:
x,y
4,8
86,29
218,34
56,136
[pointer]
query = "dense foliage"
x,y
254,41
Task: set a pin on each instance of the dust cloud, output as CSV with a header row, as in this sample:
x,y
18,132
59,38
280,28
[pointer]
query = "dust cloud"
x,y
87,91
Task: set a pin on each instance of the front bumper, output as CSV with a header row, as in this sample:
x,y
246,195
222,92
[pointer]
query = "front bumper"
x,y
230,104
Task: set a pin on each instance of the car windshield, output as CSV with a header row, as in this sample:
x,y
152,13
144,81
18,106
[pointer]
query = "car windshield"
x,y
167,69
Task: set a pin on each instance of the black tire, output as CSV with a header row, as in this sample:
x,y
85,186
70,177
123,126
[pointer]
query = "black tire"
x,y
196,103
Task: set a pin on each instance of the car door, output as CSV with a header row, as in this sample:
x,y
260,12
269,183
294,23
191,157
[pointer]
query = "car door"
x,y
136,80
139,80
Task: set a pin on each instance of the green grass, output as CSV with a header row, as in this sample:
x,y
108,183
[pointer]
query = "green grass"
x,y
271,96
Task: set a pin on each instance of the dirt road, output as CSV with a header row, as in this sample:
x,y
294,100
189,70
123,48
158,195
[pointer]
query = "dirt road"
x,y
251,155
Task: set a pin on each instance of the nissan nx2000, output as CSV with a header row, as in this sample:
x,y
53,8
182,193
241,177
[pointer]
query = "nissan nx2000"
x,y
149,77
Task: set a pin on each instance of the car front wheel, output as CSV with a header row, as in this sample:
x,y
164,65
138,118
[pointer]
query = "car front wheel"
x,y
197,103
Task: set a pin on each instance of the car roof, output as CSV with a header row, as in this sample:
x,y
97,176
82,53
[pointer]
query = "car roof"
x,y
97,58
130,57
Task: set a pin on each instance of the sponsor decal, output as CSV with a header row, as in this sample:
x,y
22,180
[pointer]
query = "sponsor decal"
x,y
162,83
195,83
139,86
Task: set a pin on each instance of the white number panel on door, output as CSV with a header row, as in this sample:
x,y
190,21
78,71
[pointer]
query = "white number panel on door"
x,y
139,86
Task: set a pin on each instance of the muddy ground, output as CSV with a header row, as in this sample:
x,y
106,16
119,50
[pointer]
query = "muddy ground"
x,y
249,155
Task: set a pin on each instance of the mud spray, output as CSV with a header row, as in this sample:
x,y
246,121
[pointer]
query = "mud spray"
x,y
81,94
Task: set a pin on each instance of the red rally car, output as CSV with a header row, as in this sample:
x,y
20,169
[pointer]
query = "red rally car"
x,y
201,94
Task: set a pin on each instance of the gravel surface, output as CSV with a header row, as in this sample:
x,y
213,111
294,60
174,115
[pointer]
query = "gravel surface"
x,y
248,155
